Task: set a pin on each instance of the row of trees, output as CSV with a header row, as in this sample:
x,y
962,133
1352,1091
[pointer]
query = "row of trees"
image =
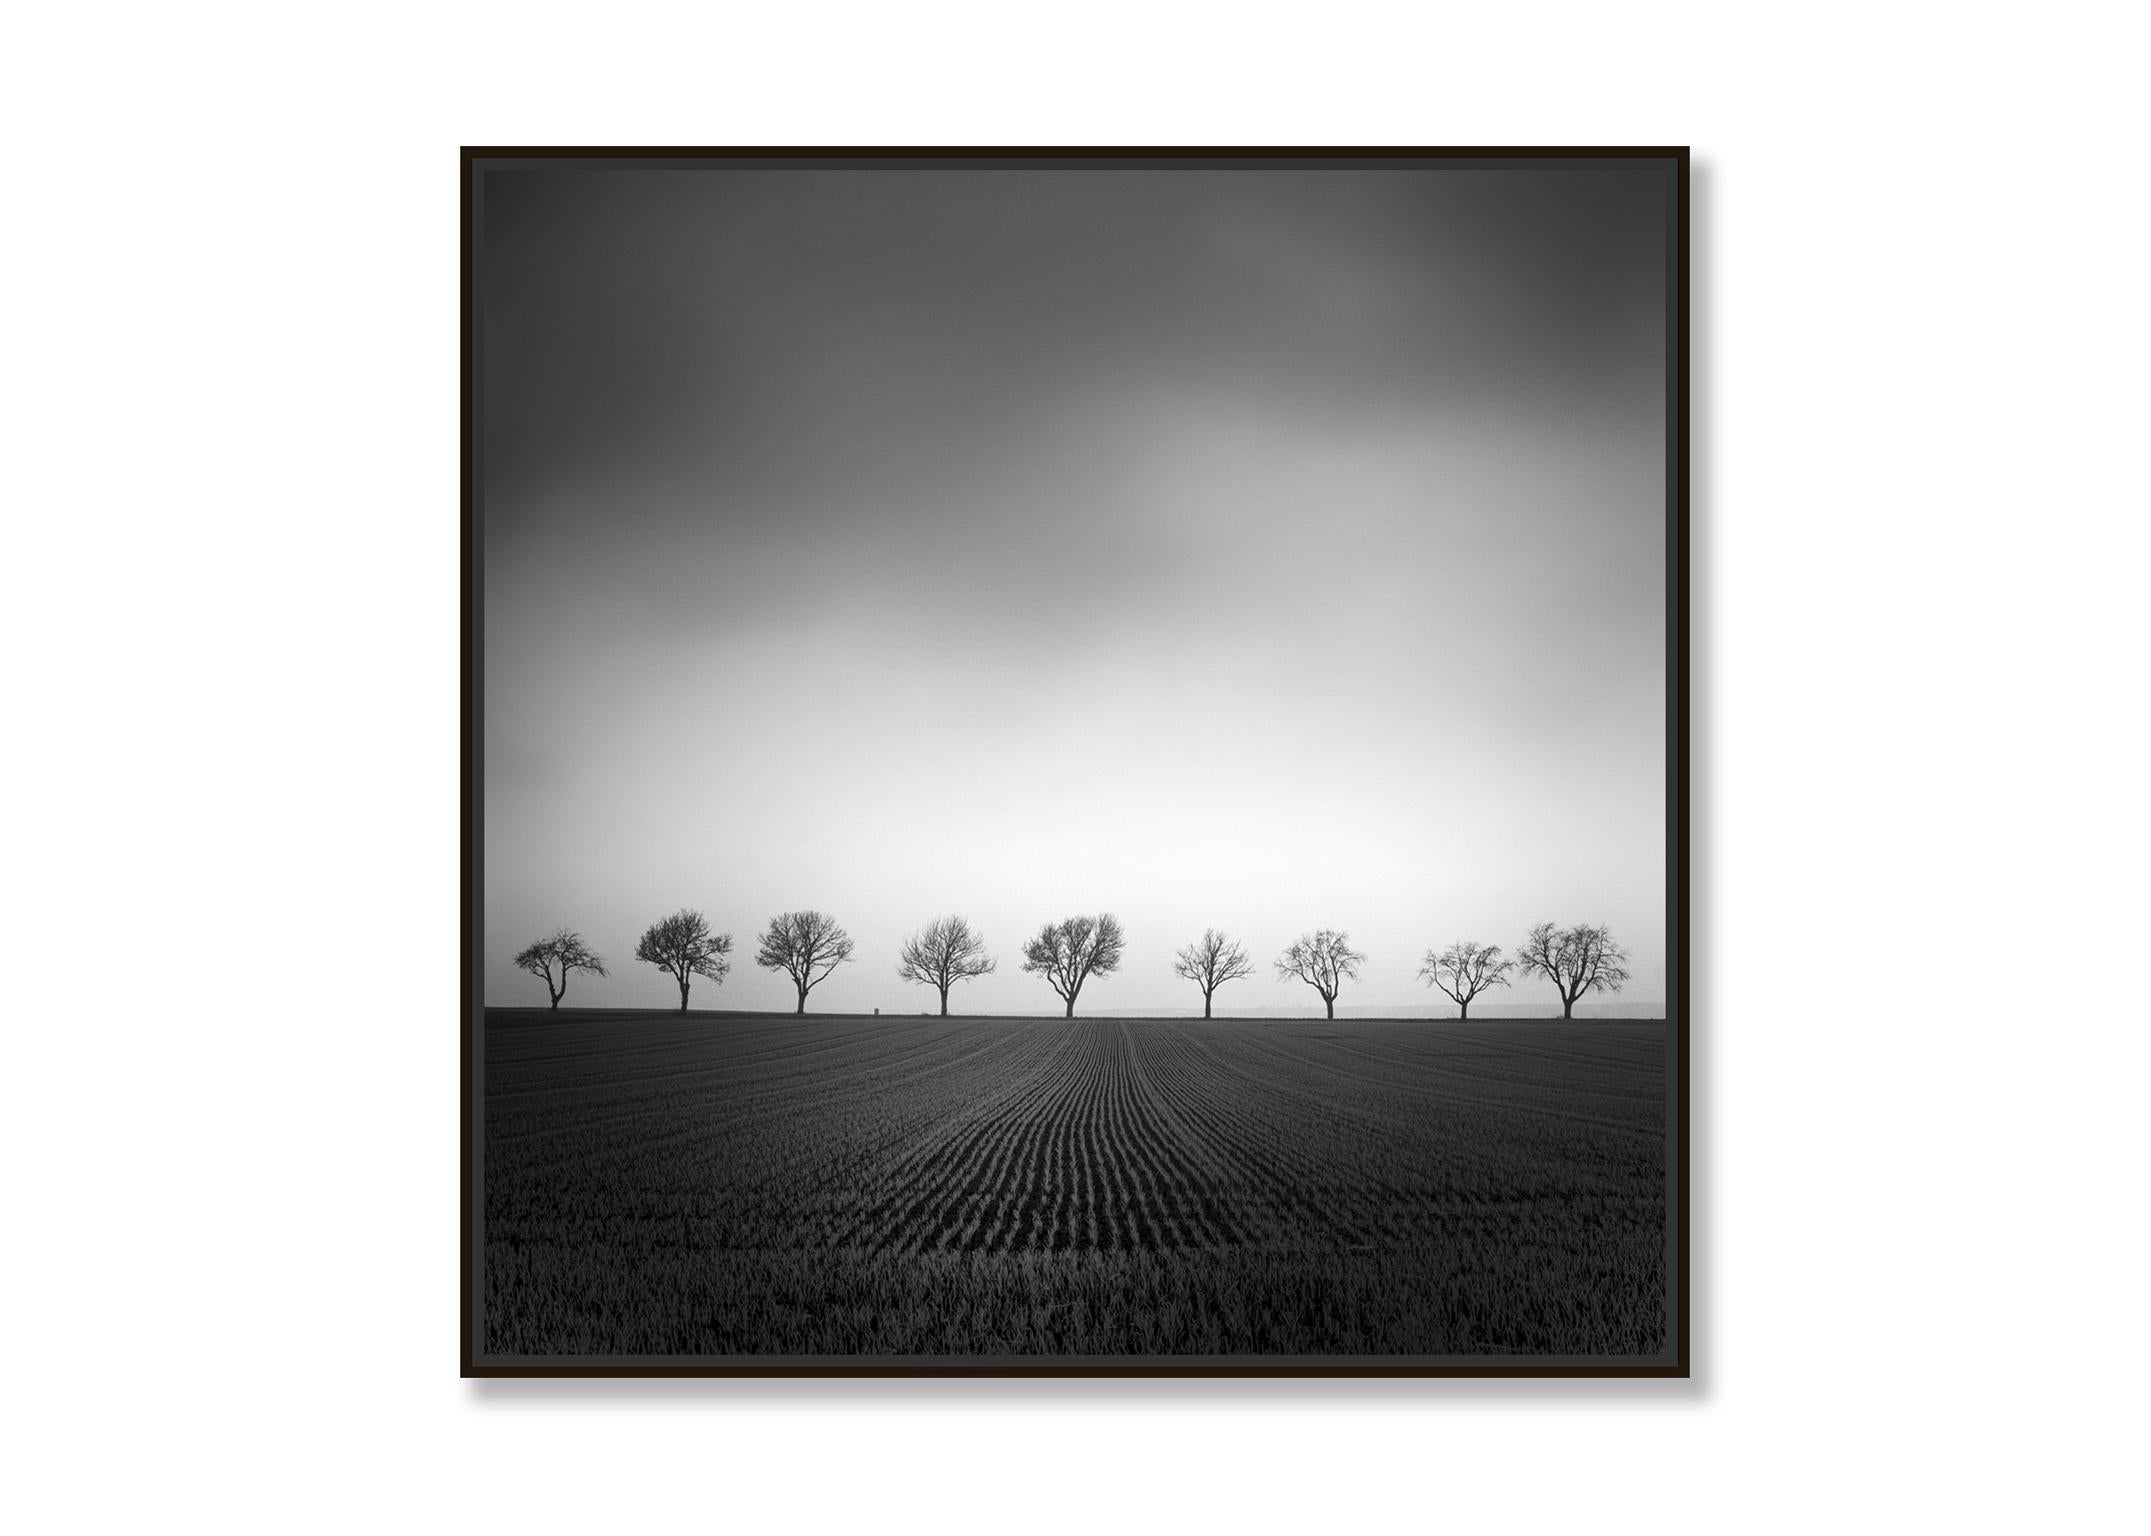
x,y
808,946
1576,960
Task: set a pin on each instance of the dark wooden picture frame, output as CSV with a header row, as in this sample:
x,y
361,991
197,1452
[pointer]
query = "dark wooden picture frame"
x,y
1672,1361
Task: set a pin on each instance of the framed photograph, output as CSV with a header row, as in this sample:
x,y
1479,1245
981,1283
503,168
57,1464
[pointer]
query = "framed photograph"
x,y
1075,762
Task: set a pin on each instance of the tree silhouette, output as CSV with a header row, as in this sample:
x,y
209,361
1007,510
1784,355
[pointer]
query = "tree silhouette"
x,y
943,953
1212,961
564,950
807,946
1325,962
1576,960
1465,970
1071,951
683,945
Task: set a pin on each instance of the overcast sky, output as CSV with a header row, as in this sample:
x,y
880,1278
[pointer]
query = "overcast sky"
x,y
1264,549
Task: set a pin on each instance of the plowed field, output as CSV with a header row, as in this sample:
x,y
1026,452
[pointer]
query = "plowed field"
x,y
777,1185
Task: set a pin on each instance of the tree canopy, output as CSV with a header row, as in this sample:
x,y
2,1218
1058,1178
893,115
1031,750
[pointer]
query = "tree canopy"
x,y
683,946
944,952
1576,960
1210,962
1325,960
1464,970
553,958
1071,951
806,946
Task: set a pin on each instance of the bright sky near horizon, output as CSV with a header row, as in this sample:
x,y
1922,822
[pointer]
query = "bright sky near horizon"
x,y
1261,549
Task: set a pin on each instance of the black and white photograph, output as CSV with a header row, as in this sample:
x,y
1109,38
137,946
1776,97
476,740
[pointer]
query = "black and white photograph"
x,y
1160,768
1074,761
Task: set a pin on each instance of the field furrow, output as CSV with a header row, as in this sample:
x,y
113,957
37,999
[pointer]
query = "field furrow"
x,y
781,1185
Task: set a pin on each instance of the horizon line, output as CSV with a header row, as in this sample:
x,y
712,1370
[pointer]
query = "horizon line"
x,y
1220,1018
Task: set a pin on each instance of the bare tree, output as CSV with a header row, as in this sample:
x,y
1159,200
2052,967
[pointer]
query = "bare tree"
x,y
1576,960
1325,962
564,950
1071,951
943,953
1465,970
1212,961
683,945
807,946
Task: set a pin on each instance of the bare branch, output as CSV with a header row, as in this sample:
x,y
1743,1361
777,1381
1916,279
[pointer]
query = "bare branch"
x,y
1576,960
564,949
1071,951
1466,969
1325,960
944,952
684,946
1210,962
807,946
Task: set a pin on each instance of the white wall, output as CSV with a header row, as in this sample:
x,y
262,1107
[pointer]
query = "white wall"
x,y
230,628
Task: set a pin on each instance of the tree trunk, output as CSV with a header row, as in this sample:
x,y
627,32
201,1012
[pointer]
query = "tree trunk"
x,y
802,1008
683,995
1568,1006
1463,1009
1329,1007
1206,1005
944,1002
556,995
1071,1008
